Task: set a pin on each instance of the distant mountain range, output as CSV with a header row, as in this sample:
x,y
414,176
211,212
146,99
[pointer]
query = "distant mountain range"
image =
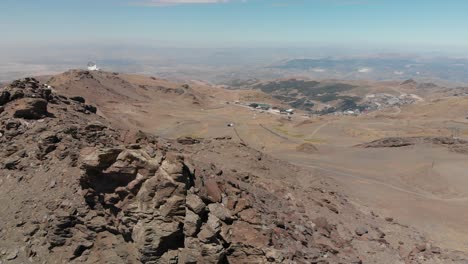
x,y
379,68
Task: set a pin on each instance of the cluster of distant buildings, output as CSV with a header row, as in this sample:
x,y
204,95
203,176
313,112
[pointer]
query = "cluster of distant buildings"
x,y
273,109
372,102
384,100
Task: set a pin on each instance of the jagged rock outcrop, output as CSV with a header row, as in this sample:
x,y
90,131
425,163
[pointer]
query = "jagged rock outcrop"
x,y
30,108
453,144
172,213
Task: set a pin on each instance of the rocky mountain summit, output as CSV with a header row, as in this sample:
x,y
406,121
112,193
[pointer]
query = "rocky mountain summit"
x,y
75,190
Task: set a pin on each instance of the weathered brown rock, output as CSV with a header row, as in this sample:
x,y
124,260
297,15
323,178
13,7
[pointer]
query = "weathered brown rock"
x,y
12,254
361,230
212,192
241,205
195,203
174,207
90,108
4,97
47,143
81,246
95,126
198,252
60,228
220,212
30,108
171,256
231,203
188,256
96,159
78,99
250,216
154,238
245,234
210,229
188,141
192,223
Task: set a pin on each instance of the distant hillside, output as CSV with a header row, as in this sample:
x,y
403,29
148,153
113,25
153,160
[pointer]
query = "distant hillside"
x,y
348,97
101,86
125,98
409,82
305,95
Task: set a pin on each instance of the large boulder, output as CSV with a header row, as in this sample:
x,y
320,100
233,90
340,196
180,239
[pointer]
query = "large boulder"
x,y
246,234
220,212
210,230
198,252
153,239
30,108
99,158
78,99
211,191
195,203
4,97
192,223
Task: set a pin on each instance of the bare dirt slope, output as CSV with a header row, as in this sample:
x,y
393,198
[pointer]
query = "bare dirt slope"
x,y
151,104
127,96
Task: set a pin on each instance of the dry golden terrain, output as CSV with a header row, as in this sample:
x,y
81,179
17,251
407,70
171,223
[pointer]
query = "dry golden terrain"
x,y
422,186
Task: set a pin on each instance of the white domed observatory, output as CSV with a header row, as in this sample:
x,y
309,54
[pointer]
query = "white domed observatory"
x,y
92,66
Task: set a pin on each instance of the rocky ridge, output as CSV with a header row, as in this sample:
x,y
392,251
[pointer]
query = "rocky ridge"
x,y
451,143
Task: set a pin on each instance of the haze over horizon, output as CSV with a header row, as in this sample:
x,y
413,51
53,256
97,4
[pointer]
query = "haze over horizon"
x,y
41,37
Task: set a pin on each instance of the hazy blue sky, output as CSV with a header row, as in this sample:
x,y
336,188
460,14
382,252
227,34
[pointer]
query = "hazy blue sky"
x,y
432,23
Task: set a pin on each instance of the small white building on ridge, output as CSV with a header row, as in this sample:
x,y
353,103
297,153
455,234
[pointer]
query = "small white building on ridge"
x,y
92,66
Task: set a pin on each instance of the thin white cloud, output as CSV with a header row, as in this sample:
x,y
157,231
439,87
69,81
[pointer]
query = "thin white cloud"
x,y
364,70
176,2
318,70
